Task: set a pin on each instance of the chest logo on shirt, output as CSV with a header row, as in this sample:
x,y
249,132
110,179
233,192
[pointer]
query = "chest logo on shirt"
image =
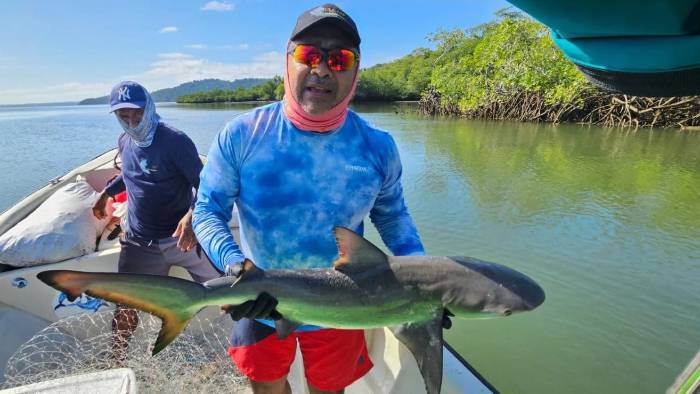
x,y
354,168
144,167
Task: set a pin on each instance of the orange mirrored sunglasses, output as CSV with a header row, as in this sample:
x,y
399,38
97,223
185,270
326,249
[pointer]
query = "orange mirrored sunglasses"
x,y
338,59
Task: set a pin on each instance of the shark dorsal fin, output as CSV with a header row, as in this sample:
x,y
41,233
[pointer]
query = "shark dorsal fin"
x,y
355,253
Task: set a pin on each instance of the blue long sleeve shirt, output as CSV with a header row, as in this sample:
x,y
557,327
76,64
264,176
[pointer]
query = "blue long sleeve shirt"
x,y
158,180
292,187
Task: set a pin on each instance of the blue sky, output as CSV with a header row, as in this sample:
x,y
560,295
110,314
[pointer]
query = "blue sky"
x,y
69,50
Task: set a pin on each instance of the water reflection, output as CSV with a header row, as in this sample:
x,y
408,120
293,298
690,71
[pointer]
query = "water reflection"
x,y
643,178
606,220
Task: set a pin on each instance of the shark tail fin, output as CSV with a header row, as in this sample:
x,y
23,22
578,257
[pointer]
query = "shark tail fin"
x,y
170,329
56,279
175,301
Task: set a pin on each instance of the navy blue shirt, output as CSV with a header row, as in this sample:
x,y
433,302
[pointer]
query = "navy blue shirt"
x,y
158,180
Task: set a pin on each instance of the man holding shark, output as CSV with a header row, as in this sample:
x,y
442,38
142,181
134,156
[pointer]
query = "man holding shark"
x,y
293,180
304,173
296,169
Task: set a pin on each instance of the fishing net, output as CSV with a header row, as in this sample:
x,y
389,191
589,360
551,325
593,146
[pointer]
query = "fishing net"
x,y
195,362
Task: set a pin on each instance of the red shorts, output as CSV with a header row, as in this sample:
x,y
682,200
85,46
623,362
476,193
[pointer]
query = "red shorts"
x,y
333,359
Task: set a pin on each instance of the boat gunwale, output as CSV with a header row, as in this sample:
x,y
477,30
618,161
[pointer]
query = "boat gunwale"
x,y
471,369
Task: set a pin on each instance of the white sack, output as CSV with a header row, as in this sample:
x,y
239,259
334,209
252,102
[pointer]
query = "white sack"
x,y
61,228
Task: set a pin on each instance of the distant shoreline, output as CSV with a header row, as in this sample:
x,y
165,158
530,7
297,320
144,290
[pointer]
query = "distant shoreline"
x,y
251,102
272,101
40,104
229,102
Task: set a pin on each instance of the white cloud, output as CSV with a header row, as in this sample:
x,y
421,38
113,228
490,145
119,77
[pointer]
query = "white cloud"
x,y
220,6
173,56
70,91
228,47
271,57
168,29
6,60
242,46
168,70
171,69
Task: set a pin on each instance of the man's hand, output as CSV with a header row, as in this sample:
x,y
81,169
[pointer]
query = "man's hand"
x,y
263,307
99,209
186,238
446,321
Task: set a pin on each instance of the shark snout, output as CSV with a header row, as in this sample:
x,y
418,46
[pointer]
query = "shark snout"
x,y
493,289
519,294
531,293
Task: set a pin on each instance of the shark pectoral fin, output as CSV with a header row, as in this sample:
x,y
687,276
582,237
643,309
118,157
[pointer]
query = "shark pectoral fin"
x,y
424,340
285,327
355,254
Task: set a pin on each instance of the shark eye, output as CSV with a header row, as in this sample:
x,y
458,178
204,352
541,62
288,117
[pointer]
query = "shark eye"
x,y
507,312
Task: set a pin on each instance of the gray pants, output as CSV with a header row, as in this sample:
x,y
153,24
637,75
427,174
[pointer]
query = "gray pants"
x,y
157,257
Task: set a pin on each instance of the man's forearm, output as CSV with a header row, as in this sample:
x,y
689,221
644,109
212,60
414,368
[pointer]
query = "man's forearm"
x,y
115,187
399,234
215,237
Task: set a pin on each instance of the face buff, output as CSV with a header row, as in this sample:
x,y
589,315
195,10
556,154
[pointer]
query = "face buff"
x,y
327,121
143,133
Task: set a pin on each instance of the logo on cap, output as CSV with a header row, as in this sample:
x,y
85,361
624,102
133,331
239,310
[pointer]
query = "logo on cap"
x,y
124,93
326,10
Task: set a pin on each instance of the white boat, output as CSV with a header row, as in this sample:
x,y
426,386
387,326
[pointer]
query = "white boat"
x,y
32,305
113,381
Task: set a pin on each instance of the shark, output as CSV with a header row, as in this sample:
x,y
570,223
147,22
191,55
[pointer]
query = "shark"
x,y
364,289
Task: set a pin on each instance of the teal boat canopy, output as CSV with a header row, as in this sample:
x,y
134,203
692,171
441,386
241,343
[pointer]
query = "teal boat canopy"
x,y
637,47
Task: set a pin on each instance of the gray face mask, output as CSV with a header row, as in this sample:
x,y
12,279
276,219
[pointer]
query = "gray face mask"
x,y
143,133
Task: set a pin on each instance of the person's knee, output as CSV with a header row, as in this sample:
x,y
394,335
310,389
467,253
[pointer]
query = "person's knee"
x,y
279,386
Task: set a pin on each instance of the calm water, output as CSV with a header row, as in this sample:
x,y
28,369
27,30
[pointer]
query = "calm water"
x,y
607,221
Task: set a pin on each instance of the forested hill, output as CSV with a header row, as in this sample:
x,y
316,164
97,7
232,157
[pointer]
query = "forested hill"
x,y
510,68
205,85
402,79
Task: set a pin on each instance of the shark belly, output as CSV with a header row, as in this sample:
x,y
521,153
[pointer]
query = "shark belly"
x,y
328,299
358,316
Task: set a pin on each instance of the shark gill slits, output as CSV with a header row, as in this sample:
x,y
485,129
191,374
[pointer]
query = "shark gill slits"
x,y
507,312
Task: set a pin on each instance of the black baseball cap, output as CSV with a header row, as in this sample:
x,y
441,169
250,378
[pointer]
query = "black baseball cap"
x,y
327,13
